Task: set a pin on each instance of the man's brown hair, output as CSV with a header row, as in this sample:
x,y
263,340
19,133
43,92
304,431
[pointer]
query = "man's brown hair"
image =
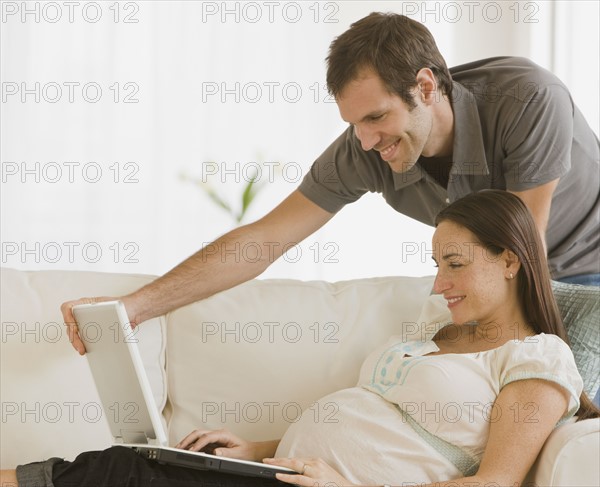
x,y
393,46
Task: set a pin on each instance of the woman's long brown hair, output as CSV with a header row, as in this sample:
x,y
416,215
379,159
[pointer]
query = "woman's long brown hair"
x,y
500,220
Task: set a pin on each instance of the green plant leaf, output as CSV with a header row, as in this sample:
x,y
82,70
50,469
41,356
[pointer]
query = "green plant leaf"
x,y
248,195
217,199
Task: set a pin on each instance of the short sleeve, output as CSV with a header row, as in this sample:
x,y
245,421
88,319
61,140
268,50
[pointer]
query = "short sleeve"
x,y
342,174
544,357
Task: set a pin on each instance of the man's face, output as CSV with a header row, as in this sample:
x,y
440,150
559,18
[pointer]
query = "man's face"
x,y
382,121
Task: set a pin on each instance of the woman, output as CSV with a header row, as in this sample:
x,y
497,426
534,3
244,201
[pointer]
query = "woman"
x,y
472,406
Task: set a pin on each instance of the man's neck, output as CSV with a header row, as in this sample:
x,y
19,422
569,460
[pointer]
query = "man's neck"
x,y
441,140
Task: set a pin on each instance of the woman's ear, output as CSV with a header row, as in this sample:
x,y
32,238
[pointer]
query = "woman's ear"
x,y
512,264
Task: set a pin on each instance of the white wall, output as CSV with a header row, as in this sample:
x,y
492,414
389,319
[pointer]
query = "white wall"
x,y
140,214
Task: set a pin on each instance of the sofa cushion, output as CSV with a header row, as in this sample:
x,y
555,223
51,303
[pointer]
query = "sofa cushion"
x,y
254,357
47,389
580,310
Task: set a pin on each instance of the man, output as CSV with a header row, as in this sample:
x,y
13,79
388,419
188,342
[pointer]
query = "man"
x,y
423,136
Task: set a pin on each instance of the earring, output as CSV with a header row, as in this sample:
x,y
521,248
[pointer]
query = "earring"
x,y
511,275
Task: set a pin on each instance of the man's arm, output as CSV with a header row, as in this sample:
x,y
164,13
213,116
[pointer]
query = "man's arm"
x,y
539,200
219,265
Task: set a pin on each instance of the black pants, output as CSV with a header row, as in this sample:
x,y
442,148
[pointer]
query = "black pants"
x,y
122,467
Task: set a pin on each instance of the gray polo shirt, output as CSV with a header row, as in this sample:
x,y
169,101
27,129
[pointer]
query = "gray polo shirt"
x,y
515,128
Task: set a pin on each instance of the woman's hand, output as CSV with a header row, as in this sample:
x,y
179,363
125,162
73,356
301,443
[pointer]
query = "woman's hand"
x,y
314,472
225,443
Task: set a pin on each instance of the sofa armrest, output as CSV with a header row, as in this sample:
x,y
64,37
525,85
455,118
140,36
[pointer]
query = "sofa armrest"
x,y
570,456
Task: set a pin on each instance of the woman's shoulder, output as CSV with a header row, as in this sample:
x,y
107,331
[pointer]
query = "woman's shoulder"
x,y
544,354
539,342
542,349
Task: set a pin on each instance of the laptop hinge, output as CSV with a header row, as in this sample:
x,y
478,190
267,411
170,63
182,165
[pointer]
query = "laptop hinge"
x,y
134,437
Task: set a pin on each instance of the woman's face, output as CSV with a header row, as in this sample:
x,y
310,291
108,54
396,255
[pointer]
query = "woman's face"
x,y
473,280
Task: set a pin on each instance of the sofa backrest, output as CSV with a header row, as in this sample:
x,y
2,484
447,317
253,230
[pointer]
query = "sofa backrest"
x,y
253,358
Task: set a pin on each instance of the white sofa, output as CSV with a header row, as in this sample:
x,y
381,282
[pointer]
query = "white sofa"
x,y
249,359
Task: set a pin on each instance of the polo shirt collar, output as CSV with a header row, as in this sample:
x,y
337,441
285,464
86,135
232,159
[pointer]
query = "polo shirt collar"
x,y
403,179
468,153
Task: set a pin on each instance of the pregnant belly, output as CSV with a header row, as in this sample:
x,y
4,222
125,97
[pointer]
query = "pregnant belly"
x,y
366,440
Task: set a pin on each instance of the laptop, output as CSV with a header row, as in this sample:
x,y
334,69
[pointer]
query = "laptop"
x,y
126,396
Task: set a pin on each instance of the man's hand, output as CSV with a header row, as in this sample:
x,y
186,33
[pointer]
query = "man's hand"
x,y
72,328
